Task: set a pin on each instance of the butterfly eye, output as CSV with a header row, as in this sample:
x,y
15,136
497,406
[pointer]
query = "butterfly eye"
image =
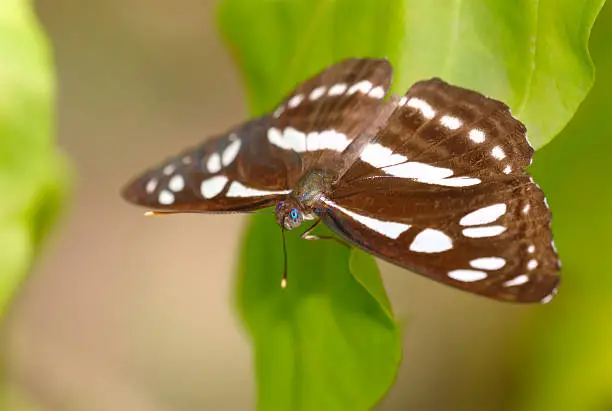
x,y
293,214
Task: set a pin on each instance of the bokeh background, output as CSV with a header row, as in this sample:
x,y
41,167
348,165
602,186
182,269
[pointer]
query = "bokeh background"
x,y
128,313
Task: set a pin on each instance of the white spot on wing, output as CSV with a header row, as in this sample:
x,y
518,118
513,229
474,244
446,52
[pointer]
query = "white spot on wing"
x,y
549,297
213,165
507,169
279,111
518,280
479,232
484,215
151,185
380,156
327,140
230,152
213,186
176,183
169,169
476,135
317,93
488,263
165,197
467,276
531,249
295,139
419,171
275,137
431,241
337,89
402,101
295,101
387,228
428,174
532,264
422,106
377,92
526,208
289,139
456,182
450,122
363,86
237,189
498,153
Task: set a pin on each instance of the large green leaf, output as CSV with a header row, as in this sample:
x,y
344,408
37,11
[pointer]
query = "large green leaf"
x,y
532,55
324,342
32,175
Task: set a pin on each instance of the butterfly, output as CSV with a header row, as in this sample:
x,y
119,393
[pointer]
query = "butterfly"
x,y
433,181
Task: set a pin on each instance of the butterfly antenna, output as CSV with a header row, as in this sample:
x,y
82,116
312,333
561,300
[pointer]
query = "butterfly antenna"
x,y
284,279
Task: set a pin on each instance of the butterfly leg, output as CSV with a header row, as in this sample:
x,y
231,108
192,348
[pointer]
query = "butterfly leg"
x,y
306,235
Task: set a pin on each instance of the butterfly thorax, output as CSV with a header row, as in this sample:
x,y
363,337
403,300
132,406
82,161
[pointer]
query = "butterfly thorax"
x,y
303,199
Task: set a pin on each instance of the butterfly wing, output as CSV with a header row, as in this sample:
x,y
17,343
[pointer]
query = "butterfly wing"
x,y
441,190
458,131
324,115
257,163
236,171
492,239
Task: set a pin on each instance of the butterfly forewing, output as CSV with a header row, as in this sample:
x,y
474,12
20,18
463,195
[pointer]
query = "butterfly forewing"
x,y
323,115
237,171
492,239
439,131
255,164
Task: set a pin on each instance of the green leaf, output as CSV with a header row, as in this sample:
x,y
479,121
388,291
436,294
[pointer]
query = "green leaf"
x,y
324,342
32,174
531,55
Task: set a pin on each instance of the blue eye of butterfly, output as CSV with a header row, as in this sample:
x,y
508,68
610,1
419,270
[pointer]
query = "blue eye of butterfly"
x,y
293,214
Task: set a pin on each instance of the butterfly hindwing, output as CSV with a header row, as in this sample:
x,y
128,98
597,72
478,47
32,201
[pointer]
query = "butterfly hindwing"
x,y
492,239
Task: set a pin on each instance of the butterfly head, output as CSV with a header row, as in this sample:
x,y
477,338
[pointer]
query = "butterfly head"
x,y
289,214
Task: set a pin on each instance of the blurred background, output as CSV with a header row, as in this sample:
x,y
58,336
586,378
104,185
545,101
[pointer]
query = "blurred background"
x,y
128,313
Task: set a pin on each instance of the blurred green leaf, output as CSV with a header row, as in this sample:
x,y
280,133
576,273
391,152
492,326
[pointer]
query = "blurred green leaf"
x,y
323,343
32,174
532,55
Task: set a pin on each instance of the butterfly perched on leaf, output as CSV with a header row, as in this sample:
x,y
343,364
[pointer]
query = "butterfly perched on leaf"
x,y
433,181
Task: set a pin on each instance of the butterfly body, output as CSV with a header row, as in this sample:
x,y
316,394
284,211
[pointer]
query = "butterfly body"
x,y
433,181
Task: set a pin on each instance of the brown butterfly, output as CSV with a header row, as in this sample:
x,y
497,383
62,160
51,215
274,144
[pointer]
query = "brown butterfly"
x,y
433,181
